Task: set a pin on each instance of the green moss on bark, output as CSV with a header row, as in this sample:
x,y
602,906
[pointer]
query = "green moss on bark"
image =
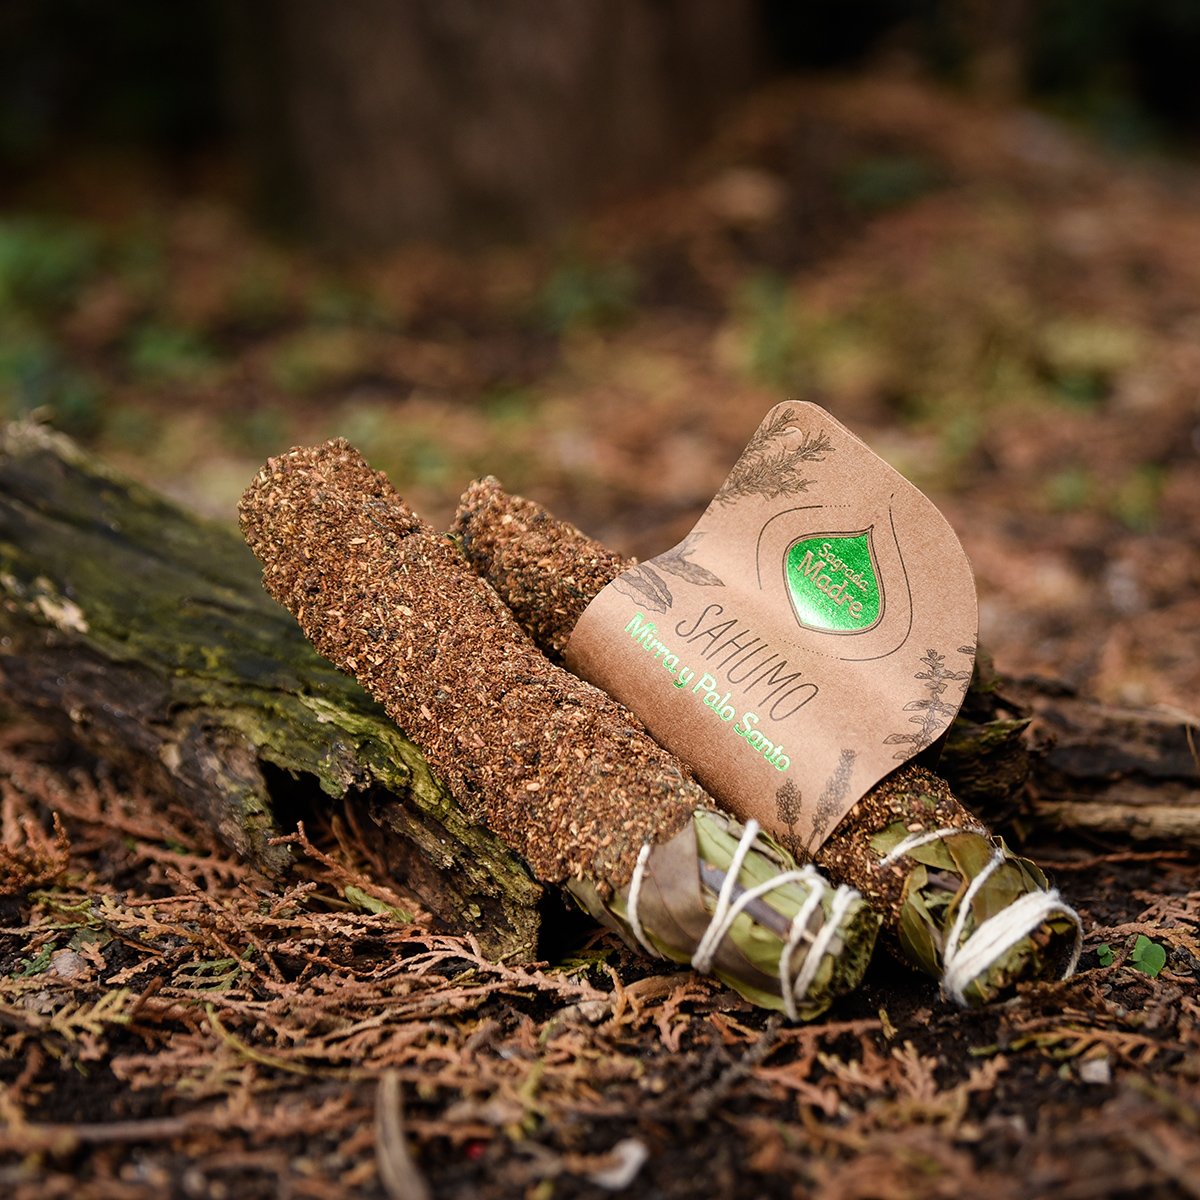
x,y
145,632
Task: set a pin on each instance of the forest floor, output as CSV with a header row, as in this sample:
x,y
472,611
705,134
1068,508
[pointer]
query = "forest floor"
x,y
1007,313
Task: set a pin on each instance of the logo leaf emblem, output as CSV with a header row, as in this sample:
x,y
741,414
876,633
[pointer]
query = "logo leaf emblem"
x,y
832,582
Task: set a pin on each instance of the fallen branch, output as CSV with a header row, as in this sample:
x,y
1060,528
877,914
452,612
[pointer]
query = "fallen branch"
x,y
144,634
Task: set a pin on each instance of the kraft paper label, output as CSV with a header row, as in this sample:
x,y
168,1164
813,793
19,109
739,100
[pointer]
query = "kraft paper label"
x,y
814,631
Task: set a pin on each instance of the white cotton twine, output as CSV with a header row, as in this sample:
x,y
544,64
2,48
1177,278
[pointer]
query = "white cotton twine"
x,y
727,910
635,894
964,961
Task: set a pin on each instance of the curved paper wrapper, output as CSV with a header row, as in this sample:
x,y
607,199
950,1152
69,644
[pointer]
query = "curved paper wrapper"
x,y
816,629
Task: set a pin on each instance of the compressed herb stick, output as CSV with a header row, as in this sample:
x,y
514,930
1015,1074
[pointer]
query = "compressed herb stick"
x,y
963,907
562,773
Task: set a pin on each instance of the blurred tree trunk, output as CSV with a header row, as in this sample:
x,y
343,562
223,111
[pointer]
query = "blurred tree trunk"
x,y
996,37
375,120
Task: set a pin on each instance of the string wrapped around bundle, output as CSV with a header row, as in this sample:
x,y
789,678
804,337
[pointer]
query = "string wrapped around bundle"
x,y
961,905
564,775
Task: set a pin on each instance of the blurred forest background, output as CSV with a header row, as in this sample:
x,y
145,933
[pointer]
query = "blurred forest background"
x,y
584,246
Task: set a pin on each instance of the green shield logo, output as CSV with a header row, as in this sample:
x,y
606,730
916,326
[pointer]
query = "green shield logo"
x,y
832,582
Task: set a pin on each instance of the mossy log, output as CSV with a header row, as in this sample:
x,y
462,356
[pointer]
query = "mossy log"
x,y
1034,752
1116,770
146,634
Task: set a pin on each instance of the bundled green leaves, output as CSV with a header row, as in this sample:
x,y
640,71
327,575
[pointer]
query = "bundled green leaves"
x,y
960,905
732,902
937,880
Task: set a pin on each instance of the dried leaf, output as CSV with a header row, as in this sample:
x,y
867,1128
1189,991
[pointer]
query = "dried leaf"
x,y
692,572
645,585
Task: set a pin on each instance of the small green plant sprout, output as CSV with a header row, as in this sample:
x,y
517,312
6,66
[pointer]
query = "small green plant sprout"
x,y
36,964
1104,952
1148,957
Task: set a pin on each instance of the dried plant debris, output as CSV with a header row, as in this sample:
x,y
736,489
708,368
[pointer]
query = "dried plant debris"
x,y
174,1023
29,854
931,869
563,774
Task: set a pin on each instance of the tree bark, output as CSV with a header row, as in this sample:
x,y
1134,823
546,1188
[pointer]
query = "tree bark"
x,y
1108,769
1033,750
145,633
476,119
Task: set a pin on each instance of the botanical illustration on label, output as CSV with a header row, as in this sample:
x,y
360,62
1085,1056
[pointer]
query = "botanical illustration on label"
x,y
816,628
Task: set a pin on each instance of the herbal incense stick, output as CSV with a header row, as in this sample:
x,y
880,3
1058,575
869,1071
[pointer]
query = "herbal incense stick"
x,y
563,774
